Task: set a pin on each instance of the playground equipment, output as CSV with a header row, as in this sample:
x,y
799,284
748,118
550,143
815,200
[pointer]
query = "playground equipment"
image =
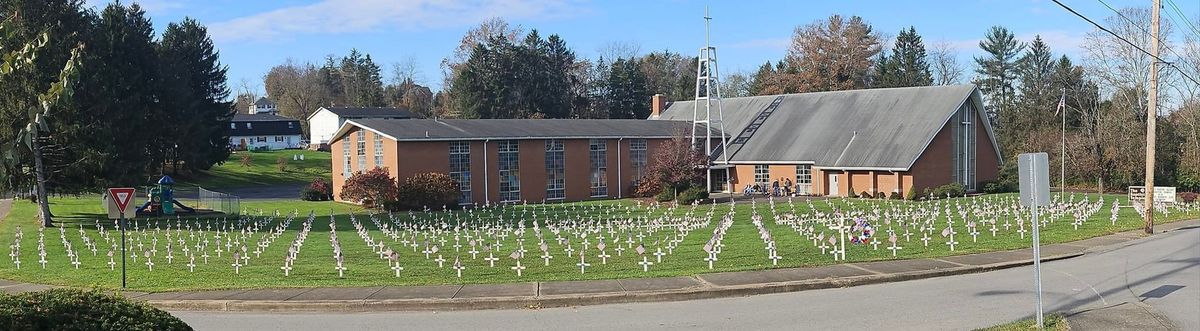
x,y
162,199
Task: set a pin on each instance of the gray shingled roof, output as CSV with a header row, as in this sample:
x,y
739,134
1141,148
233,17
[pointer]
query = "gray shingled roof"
x,y
372,112
260,117
477,129
875,128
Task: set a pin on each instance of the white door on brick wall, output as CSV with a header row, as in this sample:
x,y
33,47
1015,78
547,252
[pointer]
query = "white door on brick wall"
x,y
833,185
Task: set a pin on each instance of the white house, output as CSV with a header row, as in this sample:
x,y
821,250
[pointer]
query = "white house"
x,y
264,131
263,105
324,122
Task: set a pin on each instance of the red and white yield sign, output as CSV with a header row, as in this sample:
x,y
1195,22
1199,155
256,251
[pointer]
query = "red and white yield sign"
x,y
119,199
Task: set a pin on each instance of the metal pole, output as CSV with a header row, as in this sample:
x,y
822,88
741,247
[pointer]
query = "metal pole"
x,y
1062,181
123,225
1151,119
1037,252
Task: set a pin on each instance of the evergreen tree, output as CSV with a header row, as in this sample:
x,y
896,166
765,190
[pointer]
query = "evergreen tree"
x,y
627,93
758,82
907,65
193,96
998,69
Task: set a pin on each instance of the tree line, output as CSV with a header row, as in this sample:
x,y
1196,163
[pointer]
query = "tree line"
x,y
503,71
138,105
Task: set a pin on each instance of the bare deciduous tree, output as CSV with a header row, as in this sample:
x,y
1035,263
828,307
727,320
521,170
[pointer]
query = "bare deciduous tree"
x,y
943,61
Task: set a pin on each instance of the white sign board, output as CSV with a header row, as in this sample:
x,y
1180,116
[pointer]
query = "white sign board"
x,y
1034,173
1162,194
118,201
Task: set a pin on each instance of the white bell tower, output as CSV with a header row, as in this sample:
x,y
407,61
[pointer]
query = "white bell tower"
x,y
708,95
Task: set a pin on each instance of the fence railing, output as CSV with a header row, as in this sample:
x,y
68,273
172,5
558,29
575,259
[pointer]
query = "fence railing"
x,y
217,201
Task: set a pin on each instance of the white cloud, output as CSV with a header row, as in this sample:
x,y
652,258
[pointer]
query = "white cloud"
x,y
769,43
348,16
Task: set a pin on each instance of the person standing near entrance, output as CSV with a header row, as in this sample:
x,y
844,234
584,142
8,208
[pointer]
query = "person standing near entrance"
x,y
775,188
787,186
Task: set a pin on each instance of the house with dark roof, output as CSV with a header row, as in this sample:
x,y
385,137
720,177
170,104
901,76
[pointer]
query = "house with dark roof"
x,y
264,131
326,120
263,106
507,160
846,143
878,142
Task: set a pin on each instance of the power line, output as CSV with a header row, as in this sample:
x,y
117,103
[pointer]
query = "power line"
x,y
1143,29
1135,46
1183,17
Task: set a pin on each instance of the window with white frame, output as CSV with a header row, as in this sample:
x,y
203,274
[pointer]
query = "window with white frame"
x,y
360,140
278,139
556,179
460,168
378,145
509,170
232,126
248,126
804,179
637,156
762,176
261,139
598,157
346,157
965,146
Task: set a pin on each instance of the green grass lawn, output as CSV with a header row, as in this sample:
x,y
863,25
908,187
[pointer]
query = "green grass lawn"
x,y
1053,322
743,250
263,170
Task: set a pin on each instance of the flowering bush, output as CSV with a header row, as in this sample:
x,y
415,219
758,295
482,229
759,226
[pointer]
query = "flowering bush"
x,y
370,188
318,190
431,189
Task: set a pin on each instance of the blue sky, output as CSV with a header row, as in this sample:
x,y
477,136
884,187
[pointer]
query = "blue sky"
x,y
253,35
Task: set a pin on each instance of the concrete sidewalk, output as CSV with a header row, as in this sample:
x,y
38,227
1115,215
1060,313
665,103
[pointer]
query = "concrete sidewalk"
x,y
1132,316
576,293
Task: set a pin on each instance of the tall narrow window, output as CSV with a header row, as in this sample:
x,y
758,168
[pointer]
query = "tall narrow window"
x,y
598,155
460,168
360,138
762,176
346,157
637,156
556,179
378,140
965,146
804,179
510,168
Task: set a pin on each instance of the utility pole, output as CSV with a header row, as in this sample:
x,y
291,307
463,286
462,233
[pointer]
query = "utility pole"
x,y
1151,119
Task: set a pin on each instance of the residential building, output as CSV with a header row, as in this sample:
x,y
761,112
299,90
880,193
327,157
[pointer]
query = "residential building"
x,y
324,122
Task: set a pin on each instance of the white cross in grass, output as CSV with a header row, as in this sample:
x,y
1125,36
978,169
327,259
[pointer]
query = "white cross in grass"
x,y
518,268
491,260
645,264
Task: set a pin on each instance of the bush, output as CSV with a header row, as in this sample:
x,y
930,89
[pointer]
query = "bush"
x,y
1188,197
648,186
370,187
895,195
997,186
912,194
431,189
281,163
665,194
692,194
247,160
865,195
71,309
880,195
952,190
318,190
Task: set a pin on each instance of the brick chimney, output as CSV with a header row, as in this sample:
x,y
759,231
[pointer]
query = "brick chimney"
x,y
657,105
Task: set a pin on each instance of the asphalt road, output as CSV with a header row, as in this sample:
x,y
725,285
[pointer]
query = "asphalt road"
x,y
1162,271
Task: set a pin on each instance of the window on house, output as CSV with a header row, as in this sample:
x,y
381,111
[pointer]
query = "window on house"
x,y
510,178
262,139
278,139
460,168
556,179
248,127
233,126
360,138
965,146
346,157
291,125
598,155
804,179
378,145
637,156
762,176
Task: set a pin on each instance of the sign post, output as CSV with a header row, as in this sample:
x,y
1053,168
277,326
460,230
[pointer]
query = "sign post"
x,y
119,199
1034,173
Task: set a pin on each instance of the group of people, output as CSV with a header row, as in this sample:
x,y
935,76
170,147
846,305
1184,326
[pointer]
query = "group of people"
x,y
776,189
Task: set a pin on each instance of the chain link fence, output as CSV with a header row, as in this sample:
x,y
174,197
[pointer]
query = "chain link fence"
x,y
219,202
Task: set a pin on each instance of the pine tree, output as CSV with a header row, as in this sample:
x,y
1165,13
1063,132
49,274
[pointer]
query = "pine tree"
x,y
627,91
194,94
907,66
999,68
